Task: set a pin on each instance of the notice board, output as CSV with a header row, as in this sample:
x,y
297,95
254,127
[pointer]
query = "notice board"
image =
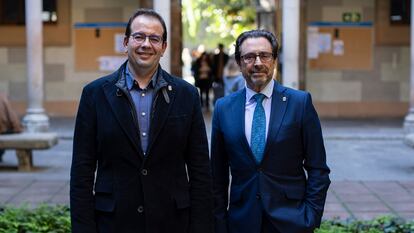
x,y
98,46
340,46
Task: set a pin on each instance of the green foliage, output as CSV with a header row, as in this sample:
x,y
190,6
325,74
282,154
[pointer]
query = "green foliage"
x,y
50,219
219,21
56,219
385,224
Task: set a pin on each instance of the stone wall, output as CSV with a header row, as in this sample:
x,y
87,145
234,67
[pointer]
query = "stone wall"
x,y
63,83
382,91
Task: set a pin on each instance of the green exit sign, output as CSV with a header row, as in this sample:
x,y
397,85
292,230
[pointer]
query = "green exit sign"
x,y
351,17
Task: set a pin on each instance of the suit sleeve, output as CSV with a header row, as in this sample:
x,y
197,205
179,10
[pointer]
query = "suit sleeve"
x,y
198,165
315,163
83,167
220,171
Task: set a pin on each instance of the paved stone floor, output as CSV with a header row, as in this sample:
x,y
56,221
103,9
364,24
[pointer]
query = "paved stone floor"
x,y
372,170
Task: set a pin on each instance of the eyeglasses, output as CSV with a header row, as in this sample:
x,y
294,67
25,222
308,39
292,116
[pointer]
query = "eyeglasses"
x,y
141,37
250,58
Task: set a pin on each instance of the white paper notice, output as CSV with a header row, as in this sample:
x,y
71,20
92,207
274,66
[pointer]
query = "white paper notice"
x,y
312,43
110,63
325,42
338,47
119,43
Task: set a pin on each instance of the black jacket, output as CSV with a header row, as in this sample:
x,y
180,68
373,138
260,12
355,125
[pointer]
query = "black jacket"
x,y
169,190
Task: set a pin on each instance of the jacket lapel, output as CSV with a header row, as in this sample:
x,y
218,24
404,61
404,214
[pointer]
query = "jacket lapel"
x,y
239,109
277,112
161,108
122,110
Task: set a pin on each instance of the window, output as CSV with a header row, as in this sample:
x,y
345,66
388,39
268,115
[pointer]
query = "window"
x,y
12,12
400,12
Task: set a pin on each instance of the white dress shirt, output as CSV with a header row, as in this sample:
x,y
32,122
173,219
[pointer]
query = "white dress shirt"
x,y
251,105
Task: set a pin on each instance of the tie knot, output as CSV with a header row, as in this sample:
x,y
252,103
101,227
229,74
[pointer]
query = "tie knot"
x,y
259,97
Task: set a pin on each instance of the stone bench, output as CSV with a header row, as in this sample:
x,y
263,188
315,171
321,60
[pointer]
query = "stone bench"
x,y
24,143
409,139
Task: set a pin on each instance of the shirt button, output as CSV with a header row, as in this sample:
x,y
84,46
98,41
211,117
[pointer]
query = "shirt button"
x,y
140,209
143,94
144,134
144,172
143,114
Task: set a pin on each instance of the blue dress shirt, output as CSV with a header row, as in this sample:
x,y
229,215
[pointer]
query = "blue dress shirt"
x,y
142,98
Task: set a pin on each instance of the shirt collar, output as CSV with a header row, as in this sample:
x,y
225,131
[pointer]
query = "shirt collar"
x,y
267,91
130,79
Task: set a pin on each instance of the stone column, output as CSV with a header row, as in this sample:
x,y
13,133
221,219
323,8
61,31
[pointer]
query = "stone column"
x,y
176,45
265,15
35,119
163,8
409,119
290,42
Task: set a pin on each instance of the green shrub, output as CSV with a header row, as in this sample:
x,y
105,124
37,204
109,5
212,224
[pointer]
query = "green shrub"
x,y
384,224
42,219
55,219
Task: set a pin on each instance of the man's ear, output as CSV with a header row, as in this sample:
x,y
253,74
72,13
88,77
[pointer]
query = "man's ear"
x,y
126,41
164,47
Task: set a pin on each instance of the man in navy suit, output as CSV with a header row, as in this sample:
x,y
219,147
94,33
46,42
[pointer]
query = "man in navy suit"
x,y
269,138
140,153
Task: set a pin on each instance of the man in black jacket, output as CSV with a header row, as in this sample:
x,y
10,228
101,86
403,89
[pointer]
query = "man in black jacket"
x,y
143,134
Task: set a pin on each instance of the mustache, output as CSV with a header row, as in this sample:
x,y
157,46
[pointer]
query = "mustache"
x,y
260,69
142,50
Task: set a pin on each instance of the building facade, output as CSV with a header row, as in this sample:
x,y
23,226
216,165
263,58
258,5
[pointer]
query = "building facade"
x,y
354,61
83,44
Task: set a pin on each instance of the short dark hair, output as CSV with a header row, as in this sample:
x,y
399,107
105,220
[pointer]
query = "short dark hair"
x,y
256,34
147,12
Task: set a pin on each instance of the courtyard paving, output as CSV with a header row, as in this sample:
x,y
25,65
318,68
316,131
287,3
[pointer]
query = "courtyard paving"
x,y
372,170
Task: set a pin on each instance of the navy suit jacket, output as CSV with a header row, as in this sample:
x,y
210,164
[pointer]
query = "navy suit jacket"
x,y
289,186
168,190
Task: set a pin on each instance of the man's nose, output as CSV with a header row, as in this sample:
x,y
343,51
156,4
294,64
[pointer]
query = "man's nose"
x,y
257,60
146,42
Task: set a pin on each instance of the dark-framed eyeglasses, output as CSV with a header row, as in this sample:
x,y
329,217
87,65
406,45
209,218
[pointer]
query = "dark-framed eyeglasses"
x,y
140,38
250,58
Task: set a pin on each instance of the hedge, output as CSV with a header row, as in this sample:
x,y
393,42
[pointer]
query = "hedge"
x,y
383,224
55,219
42,219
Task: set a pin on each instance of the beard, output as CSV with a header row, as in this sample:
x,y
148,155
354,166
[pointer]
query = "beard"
x,y
258,78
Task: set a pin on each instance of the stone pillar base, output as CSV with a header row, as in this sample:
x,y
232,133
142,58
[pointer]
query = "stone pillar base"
x,y
36,121
409,122
409,128
409,140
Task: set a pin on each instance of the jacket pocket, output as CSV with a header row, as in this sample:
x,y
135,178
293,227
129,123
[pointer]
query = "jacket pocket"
x,y
104,197
176,119
289,130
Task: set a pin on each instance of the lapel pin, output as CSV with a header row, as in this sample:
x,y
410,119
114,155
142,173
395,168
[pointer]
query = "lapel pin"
x,y
284,99
118,92
169,87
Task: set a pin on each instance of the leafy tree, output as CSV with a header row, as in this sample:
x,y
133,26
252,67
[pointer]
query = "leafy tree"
x,y
218,21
